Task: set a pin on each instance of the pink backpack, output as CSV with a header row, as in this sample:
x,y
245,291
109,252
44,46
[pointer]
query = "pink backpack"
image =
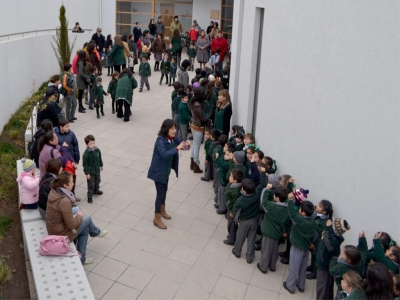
x,y
56,245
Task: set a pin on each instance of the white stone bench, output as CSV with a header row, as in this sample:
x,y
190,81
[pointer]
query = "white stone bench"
x,y
55,277
28,131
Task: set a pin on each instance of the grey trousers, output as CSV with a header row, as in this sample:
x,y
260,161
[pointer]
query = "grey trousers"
x,y
144,80
246,230
183,131
297,268
209,169
232,230
70,106
325,282
216,184
269,253
221,198
93,185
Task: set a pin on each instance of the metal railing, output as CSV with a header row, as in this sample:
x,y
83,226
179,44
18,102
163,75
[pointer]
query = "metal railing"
x,y
36,31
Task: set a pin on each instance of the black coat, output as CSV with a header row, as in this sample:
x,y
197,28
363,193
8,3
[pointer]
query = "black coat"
x,y
44,190
47,110
137,33
152,29
100,41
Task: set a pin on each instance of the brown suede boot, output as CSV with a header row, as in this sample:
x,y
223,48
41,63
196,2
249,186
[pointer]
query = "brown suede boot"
x,y
164,213
196,169
157,221
191,163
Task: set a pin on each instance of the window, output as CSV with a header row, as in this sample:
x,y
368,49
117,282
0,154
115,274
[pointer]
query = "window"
x,y
227,18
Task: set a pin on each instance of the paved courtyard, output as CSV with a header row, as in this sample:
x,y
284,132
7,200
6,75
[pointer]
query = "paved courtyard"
x,y
139,261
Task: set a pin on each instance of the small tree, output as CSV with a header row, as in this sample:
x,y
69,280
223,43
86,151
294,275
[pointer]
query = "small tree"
x,y
62,48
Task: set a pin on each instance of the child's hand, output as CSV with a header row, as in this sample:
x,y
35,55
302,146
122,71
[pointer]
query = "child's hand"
x,y
377,235
253,158
206,161
95,100
269,186
285,235
312,247
362,234
329,223
101,169
216,155
291,179
88,176
291,197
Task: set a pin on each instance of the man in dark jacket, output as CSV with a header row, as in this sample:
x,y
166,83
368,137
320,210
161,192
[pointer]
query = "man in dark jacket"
x,y
137,32
66,135
47,108
160,27
100,42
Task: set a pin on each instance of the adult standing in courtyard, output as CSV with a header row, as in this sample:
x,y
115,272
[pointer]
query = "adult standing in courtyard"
x,y
223,112
158,48
124,93
152,29
82,80
176,45
165,158
209,28
202,49
160,26
117,55
100,42
221,43
137,32
176,25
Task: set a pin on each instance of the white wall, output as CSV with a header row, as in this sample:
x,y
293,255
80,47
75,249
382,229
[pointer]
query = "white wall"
x,y
328,107
201,11
108,17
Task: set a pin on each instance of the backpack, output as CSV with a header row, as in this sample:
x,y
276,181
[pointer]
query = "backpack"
x,y
56,245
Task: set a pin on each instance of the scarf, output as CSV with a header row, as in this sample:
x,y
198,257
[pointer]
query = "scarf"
x,y
67,193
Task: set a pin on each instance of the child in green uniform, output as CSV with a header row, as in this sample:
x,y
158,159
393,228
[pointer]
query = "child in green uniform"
x,y
215,134
183,115
145,73
172,71
239,141
92,166
165,69
92,85
390,258
98,96
208,165
174,94
222,181
112,87
232,193
352,286
192,53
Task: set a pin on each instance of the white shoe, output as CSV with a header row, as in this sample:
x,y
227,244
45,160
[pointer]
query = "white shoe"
x,y
88,261
102,234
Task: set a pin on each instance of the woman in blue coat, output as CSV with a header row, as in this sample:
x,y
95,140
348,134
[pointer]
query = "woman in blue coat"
x,y
165,157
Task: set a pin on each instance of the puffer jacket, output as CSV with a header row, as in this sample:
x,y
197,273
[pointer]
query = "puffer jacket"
x,y
59,218
183,77
44,189
29,188
71,140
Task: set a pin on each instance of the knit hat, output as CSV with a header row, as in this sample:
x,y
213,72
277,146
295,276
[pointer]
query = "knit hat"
x,y
196,84
239,156
300,195
340,226
274,179
28,164
211,78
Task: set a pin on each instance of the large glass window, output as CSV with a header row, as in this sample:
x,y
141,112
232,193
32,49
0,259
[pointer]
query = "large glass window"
x,y
130,12
227,18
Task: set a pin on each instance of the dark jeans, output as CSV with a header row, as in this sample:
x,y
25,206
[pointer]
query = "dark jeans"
x,y
117,68
93,185
127,108
80,96
162,189
100,106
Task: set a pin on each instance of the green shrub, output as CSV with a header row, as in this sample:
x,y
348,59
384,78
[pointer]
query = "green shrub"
x,y
5,273
5,223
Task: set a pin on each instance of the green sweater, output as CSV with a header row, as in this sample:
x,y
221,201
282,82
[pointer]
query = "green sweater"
x,y
112,88
356,294
337,267
192,52
165,66
275,216
223,166
239,147
217,149
303,229
117,56
328,247
144,69
175,104
93,78
320,222
125,88
240,167
99,94
92,161
174,94
382,258
207,145
232,193
184,113
249,204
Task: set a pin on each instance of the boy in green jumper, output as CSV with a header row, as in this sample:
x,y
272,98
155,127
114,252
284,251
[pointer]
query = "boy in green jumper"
x,y
175,108
145,73
272,226
92,165
98,96
208,164
112,88
192,53
245,212
303,231
232,193
222,182
183,115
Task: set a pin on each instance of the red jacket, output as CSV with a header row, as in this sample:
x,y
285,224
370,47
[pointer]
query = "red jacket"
x,y
222,44
193,34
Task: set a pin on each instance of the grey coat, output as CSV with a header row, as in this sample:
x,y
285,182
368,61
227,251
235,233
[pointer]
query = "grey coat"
x,y
160,27
82,79
203,55
183,77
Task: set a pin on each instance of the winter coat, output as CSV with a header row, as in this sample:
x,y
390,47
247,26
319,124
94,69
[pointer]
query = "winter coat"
x,y
127,52
47,110
82,80
176,43
183,77
29,188
74,61
92,161
112,88
198,118
223,119
50,152
117,56
184,113
165,66
144,69
146,42
152,29
137,33
161,164
160,27
99,94
193,34
59,218
222,44
203,55
95,61
125,88
158,46
192,52
172,71
70,138
44,189
100,41
132,47
68,82
174,26
35,152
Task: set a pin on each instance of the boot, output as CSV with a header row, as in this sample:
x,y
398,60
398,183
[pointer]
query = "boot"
x,y
157,221
155,67
196,169
158,66
191,163
164,213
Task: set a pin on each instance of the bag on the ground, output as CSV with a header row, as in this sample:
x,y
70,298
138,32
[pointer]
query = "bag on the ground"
x,y
56,245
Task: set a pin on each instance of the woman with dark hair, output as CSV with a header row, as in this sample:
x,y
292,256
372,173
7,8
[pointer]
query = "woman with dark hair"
x,y
61,221
183,75
152,29
108,47
53,169
133,51
176,45
165,157
198,124
82,80
203,54
116,55
223,112
93,57
45,126
379,282
127,52
210,28
158,48
124,93
214,31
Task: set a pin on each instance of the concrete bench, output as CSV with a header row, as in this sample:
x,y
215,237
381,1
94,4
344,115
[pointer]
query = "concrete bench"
x,y
55,277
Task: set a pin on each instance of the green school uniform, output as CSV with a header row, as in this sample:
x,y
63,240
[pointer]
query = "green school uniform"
x,y
232,193
192,52
275,217
92,161
175,104
99,94
239,147
112,88
328,247
223,166
207,144
232,166
382,258
184,113
144,69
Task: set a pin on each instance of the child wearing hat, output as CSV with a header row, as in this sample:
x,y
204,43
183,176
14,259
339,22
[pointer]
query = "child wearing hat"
x,y
329,247
29,185
303,231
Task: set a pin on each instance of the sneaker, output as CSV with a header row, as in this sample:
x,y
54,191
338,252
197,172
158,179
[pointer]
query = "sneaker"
x,y
88,261
311,276
102,234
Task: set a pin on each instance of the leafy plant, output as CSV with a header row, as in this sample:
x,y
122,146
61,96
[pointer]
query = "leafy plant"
x,y
5,273
62,48
5,223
